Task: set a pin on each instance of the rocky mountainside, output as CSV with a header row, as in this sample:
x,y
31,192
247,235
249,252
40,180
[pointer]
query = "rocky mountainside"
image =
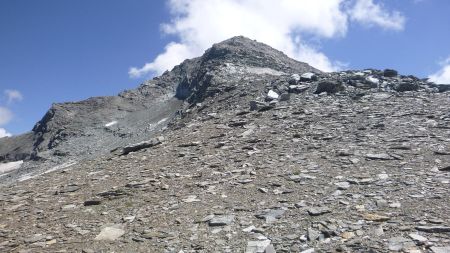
x,y
240,150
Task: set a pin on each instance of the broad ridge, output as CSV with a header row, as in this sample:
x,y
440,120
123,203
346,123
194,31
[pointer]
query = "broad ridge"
x,y
240,150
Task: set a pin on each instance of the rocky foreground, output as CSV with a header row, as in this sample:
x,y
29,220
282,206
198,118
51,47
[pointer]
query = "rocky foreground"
x,y
261,159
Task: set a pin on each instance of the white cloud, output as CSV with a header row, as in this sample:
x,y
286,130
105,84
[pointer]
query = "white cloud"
x,y
282,24
5,115
369,13
13,95
443,75
4,133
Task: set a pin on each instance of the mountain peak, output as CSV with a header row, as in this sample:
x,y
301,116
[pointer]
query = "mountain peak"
x,y
245,51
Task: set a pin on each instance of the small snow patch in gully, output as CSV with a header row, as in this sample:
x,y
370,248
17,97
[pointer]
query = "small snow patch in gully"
x,y
112,123
7,167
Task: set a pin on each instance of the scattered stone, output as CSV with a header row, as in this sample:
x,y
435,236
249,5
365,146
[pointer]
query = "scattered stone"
x,y
436,249
400,243
307,77
70,188
92,202
445,168
375,217
390,73
270,214
110,234
141,145
298,88
329,87
295,78
221,220
406,86
316,211
257,246
343,185
418,238
312,234
433,229
379,157
272,95
348,235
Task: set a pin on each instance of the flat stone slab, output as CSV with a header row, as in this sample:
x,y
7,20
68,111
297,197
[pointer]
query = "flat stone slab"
x,y
433,229
221,220
110,234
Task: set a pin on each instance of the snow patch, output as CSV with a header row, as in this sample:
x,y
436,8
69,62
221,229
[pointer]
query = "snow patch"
x,y
261,71
7,167
112,123
58,167
161,121
236,69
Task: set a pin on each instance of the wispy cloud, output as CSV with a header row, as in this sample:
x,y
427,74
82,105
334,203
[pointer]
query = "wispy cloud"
x,y
369,13
5,116
4,133
443,75
282,24
13,96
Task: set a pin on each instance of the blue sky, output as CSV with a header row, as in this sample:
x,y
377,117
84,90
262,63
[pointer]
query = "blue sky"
x,y
66,50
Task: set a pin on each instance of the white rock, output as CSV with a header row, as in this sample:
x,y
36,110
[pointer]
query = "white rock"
x,y
110,234
308,75
418,238
272,94
296,77
257,246
373,80
383,176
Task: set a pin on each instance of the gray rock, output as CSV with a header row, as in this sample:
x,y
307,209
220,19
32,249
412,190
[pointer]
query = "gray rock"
x,y
307,77
110,233
257,246
92,202
270,214
406,86
379,157
141,145
343,185
418,238
316,211
400,243
329,86
390,73
312,234
443,87
257,106
285,97
221,220
294,79
297,88
445,249
434,229
272,95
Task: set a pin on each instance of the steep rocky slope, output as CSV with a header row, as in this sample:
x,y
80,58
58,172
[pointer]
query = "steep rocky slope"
x,y
258,153
70,132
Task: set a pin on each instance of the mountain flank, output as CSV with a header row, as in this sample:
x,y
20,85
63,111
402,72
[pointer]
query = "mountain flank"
x,y
240,150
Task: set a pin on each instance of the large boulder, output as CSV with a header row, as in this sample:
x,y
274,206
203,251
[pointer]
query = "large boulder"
x,y
329,86
406,86
390,73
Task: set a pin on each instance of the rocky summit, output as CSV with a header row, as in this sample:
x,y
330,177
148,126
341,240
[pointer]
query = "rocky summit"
x,y
240,150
